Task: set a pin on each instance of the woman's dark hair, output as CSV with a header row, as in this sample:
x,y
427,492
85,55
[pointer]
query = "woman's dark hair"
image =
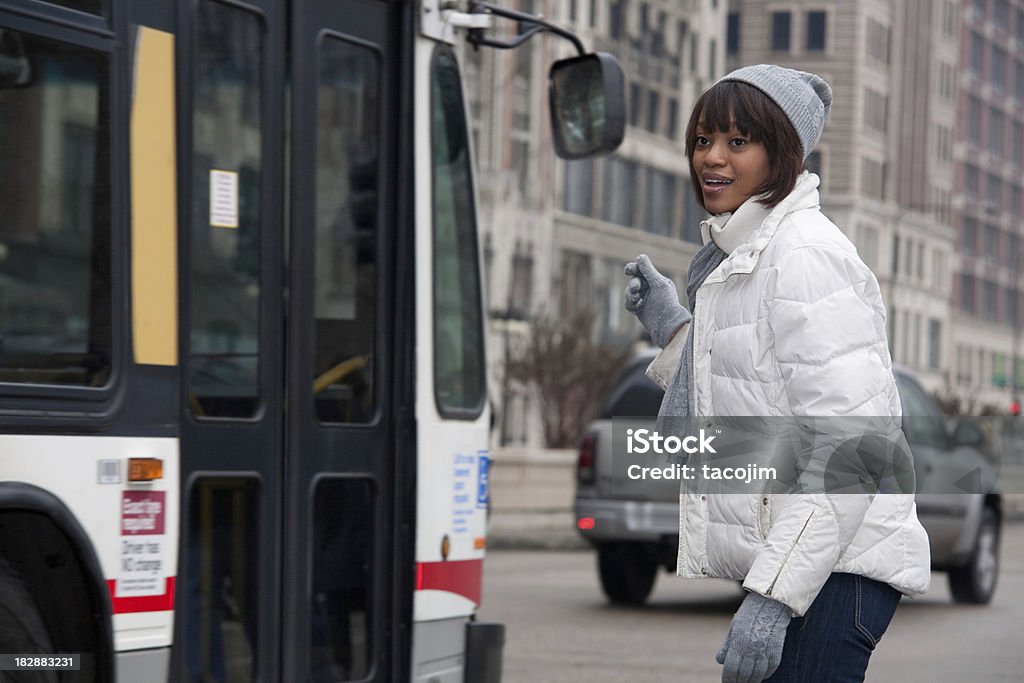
x,y
757,116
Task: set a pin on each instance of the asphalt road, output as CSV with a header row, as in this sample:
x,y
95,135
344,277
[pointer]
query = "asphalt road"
x,y
560,628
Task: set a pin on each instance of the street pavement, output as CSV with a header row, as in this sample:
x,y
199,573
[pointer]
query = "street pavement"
x,y
560,629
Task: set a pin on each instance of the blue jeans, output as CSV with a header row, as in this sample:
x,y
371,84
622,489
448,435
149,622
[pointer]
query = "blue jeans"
x,y
833,641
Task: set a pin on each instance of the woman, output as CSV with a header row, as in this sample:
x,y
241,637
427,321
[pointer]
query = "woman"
x,y
787,322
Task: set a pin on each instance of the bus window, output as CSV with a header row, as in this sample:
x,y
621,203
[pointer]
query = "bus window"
x,y
226,216
222,584
347,157
458,333
343,523
90,6
55,299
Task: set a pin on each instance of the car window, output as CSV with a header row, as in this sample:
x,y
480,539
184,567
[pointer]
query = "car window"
x,y
633,394
922,421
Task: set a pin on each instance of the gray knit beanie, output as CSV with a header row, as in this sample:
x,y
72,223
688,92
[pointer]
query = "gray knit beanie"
x,y
804,97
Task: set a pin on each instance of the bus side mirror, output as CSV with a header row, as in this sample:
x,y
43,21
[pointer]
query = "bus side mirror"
x,y
588,105
15,67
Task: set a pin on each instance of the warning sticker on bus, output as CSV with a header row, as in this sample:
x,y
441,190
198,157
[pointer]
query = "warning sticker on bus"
x,y
143,567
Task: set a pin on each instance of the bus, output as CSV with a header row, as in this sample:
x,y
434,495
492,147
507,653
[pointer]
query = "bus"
x,y
244,422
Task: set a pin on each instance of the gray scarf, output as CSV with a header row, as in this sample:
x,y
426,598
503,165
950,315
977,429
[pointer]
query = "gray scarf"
x,y
676,403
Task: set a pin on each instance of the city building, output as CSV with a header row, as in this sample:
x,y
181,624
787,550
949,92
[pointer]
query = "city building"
x,y
557,234
886,157
988,152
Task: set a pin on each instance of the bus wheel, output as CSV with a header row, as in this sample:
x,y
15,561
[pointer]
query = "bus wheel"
x,y
22,628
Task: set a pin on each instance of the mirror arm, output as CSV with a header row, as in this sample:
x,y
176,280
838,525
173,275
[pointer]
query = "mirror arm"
x,y
539,25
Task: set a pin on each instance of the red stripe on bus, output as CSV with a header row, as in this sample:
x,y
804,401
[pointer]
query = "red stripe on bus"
x,y
146,603
464,577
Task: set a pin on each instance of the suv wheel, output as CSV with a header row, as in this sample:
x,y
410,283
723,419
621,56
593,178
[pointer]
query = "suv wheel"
x,y
627,572
974,582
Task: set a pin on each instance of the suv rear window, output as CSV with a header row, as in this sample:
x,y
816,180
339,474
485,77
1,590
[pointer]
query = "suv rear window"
x,y
633,394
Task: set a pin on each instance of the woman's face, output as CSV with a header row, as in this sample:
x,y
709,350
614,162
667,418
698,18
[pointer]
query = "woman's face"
x,y
730,166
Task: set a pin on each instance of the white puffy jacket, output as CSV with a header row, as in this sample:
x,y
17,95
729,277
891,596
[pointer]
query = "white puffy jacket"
x,y
792,324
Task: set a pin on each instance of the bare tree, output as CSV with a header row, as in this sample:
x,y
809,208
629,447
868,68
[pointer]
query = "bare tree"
x,y
568,371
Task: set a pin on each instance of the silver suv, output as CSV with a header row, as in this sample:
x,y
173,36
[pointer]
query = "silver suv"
x,y
634,526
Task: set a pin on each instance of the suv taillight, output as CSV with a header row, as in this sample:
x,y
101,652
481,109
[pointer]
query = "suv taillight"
x,y
587,459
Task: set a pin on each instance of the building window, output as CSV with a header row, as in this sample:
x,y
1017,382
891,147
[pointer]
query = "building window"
x,y
947,81
998,370
659,201
998,68
916,323
988,300
991,243
967,293
876,109
815,31
949,10
651,119
872,178
941,204
878,41
938,270
995,193
619,205
578,194
934,343
521,297
577,288
672,120
694,44
895,254
971,181
780,31
616,19
973,131
732,34
995,126
977,54
1002,13
943,143
969,236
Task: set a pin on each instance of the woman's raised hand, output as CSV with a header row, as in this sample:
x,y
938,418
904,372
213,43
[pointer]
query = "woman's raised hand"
x,y
653,299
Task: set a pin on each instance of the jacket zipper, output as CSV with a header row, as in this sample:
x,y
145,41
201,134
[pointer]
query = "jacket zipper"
x,y
795,543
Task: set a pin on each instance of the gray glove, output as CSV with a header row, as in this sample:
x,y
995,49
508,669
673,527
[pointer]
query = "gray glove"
x,y
652,298
753,649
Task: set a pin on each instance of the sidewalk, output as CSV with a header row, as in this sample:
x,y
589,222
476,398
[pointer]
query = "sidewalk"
x,y
532,493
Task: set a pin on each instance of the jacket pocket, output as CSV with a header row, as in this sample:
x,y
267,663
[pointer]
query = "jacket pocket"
x,y
789,553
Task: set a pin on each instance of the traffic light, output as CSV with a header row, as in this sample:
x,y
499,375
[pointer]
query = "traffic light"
x,y
1015,408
